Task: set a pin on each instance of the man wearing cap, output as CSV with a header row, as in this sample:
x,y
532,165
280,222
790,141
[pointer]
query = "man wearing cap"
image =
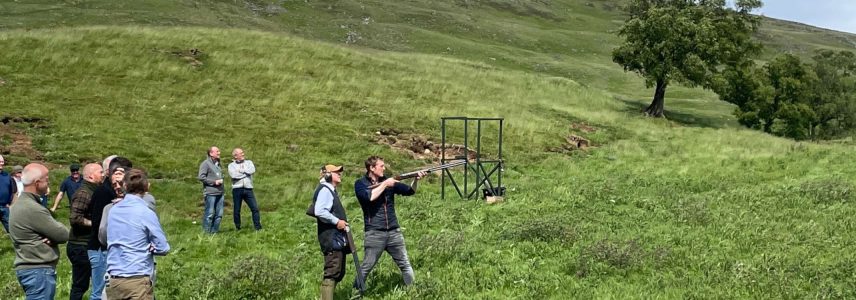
x,y
8,190
376,194
68,186
35,235
16,173
211,176
19,183
241,171
331,219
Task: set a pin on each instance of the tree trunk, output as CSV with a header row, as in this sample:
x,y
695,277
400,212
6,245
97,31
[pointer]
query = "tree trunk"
x,y
656,108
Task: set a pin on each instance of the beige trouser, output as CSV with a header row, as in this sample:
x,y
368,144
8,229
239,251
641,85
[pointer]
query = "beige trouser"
x,y
130,288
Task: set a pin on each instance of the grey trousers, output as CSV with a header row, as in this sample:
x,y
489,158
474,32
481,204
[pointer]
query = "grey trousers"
x,y
392,241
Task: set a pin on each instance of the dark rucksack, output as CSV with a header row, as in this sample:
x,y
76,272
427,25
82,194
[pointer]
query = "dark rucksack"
x,y
310,211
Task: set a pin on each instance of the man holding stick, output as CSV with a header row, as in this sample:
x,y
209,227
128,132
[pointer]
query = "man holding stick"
x,y
332,223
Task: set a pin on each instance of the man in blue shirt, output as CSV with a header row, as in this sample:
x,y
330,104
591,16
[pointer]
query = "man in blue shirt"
x,y
68,186
331,220
8,190
134,236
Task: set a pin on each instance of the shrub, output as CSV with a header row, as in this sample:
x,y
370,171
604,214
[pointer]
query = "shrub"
x,y
606,256
539,230
249,277
828,190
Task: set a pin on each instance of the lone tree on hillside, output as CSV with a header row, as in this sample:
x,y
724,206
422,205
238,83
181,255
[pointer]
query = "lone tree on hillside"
x,y
687,41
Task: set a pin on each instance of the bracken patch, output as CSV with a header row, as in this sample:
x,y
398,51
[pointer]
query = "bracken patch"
x,y
420,146
14,141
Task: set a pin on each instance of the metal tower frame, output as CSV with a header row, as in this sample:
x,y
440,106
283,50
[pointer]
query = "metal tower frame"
x,y
483,169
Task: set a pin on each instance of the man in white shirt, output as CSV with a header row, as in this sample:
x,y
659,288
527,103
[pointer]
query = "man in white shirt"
x,y
241,170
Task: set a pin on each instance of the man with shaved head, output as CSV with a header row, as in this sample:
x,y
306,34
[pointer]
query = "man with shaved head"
x,y
35,235
106,192
81,230
211,176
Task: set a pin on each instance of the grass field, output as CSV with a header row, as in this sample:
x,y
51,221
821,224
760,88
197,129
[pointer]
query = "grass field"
x,y
689,207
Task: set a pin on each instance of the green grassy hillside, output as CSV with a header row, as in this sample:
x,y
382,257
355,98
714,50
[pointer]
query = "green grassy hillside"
x,y
569,38
785,36
689,207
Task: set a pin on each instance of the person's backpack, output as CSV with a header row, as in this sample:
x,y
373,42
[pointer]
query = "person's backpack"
x,y
310,211
340,240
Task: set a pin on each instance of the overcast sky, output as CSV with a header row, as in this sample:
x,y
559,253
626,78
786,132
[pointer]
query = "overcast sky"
x,y
832,14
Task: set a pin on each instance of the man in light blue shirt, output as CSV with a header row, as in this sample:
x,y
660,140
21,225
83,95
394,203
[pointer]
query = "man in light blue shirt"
x,y
134,236
331,220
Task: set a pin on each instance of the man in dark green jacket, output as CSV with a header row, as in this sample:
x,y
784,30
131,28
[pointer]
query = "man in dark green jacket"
x,y
35,235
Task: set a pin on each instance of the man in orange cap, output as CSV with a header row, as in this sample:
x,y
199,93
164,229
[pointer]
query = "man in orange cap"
x,y
332,220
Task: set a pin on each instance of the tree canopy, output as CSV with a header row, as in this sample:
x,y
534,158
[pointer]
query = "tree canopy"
x,y
793,99
687,41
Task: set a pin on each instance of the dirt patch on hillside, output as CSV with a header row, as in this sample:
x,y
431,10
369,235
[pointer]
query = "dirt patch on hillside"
x,y
583,127
265,8
193,56
421,146
575,140
14,141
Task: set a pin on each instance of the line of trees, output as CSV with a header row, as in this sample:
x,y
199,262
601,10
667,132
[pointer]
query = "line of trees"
x,y
788,97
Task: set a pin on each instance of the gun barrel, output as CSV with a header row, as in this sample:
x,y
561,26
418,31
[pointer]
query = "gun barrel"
x,y
436,168
413,174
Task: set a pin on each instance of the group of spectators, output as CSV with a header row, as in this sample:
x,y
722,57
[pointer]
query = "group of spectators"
x,y
241,172
115,231
113,237
12,186
115,261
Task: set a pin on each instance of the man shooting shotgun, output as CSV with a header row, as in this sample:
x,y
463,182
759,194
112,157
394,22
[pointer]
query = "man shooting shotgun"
x,y
376,194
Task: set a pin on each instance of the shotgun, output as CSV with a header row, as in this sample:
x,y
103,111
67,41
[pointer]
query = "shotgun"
x,y
426,170
359,281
